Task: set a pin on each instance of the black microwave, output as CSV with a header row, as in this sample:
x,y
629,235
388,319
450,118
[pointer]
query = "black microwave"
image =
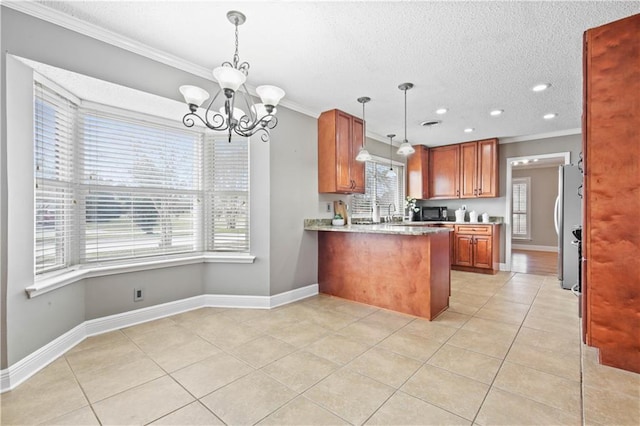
x,y
433,214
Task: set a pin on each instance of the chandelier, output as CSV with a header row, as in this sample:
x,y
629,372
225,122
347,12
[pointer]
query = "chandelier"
x,y
405,146
231,77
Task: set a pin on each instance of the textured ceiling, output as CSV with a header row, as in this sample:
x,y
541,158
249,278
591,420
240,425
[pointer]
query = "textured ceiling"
x,y
470,57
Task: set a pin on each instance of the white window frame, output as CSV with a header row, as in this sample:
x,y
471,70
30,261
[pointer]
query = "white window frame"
x,y
400,169
526,181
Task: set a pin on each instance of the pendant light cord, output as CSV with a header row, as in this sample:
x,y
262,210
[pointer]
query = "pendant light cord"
x,y
405,115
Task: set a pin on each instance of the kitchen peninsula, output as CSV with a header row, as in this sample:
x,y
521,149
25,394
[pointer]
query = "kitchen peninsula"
x,y
394,266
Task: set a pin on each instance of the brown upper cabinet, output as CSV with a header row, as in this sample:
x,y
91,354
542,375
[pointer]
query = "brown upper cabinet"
x,y
339,141
418,173
467,170
479,169
444,172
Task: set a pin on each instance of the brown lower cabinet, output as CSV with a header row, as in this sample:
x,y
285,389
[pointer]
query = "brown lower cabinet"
x,y
476,248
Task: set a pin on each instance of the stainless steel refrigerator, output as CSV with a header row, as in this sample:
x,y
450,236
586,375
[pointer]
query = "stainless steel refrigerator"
x,y
568,215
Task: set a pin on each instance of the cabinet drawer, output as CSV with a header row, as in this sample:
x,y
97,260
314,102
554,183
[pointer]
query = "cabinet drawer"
x,y
473,229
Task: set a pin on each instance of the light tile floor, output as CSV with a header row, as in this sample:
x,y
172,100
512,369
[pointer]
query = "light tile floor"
x,y
507,352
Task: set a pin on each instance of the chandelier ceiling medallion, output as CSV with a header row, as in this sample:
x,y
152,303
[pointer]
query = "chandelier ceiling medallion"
x,y
405,146
231,77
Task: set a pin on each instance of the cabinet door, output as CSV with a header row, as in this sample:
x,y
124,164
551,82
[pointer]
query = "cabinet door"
x,y
464,250
343,152
444,166
357,167
418,173
468,170
482,255
487,168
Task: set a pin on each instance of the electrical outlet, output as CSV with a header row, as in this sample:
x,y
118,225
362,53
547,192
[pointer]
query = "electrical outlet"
x,y
327,207
138,295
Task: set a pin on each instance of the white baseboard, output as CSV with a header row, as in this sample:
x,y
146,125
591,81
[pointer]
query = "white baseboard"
x,y
534,247
28,366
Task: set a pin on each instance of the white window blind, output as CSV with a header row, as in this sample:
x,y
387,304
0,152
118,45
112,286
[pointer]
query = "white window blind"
x,y
227,194
54,118
520,208
385,190
139,188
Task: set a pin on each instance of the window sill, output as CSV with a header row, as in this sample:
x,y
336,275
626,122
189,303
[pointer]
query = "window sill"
x,y
56,280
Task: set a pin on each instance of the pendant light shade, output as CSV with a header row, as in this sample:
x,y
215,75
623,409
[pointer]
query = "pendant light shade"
x,y
229,77
194,95
391,173
270,95
405,147
363,154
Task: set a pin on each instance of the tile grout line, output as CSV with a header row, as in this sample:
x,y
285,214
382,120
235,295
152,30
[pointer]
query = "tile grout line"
x,y
475,417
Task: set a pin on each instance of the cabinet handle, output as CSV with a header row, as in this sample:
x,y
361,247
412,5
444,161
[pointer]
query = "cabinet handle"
x,y
457,192
479,191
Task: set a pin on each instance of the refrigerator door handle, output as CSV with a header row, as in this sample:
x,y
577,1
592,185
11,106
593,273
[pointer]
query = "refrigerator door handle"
x,y
556,213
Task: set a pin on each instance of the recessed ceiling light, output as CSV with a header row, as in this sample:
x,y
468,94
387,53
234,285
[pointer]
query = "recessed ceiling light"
x,y
525,161
469,130
496,112
430,123
550,116
535,159
541,87
515,163
442,111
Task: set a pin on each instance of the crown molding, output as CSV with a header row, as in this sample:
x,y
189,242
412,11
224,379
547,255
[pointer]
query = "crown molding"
x,y
556,134
63,20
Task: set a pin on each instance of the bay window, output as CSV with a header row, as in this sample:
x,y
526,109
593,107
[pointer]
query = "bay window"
x,y
114,186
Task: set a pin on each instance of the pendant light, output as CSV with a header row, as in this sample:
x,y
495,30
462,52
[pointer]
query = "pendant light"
x,y
391,173
405,147
363,155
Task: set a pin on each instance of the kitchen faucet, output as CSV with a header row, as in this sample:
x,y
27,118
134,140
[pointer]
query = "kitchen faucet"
x,y
389,217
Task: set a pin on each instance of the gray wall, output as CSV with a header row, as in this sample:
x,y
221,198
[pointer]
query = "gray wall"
x,y
544,190
28,324
294,197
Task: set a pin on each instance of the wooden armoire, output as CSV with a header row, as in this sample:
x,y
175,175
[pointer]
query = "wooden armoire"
x,y
611,229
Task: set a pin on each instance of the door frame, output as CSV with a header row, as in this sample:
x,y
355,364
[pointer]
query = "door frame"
x,y
565,156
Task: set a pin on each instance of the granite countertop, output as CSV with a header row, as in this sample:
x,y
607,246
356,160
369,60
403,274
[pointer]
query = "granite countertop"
x,y
377,228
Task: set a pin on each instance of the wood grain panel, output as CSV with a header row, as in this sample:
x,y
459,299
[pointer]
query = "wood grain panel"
x,y
418,173
444,172
404,273
612,192
488,169
468,175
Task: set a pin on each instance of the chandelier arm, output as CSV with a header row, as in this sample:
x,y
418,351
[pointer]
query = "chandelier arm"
x,y
248,101
188,121
264,133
